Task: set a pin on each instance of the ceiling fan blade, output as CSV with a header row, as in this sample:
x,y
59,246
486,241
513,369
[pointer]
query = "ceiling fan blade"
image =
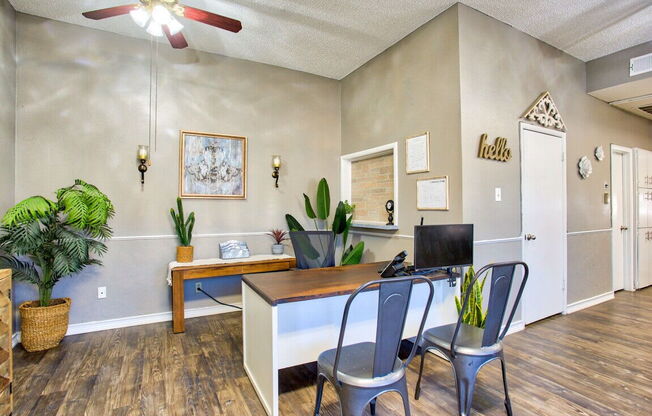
x,y
177,41
110,12
212,19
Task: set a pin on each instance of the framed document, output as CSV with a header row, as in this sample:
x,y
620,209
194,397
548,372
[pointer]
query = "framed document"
x,y
432,194
417,154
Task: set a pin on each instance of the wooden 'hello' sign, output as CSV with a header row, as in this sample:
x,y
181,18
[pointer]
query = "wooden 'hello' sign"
x,y
497,151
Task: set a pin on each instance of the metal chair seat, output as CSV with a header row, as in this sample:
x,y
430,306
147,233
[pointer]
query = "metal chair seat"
x,y
468,342
357,365
469,348
361,372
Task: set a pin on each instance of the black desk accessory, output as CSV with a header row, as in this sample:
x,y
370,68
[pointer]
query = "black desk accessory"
x,y
389,207
395,267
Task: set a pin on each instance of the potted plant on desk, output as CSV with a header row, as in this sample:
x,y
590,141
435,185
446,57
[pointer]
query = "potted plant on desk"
x,y
474,314
279,236
44,241
184,227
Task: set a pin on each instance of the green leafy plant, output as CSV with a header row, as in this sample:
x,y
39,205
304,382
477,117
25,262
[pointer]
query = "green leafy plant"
x,y
341,225
183,225
43,241
474,314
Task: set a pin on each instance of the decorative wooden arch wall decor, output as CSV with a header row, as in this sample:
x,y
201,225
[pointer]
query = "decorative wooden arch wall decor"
x,y
545,112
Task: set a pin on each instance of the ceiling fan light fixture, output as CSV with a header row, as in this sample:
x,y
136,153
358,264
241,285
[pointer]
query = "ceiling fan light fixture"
x,y
140,16
161,15
174,26
154,29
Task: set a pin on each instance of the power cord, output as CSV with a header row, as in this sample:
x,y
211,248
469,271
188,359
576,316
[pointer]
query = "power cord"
x,y
221,303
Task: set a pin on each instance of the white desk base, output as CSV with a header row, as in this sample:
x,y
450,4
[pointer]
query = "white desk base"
x,y
290,334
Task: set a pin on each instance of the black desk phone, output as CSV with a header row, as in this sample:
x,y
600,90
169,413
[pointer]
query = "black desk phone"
x,y
395,267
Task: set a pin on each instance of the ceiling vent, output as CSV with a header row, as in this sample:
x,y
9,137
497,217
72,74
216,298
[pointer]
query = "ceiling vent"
x,y
640,64
647,109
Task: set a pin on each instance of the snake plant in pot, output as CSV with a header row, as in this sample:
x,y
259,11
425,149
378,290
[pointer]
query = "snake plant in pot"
x,y
44,241
184,227
474,314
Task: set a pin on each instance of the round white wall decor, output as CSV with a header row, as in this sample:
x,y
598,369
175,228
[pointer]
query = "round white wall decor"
x,y
599,153
585,167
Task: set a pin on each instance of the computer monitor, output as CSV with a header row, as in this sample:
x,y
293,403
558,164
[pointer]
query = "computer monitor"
x,y
443,246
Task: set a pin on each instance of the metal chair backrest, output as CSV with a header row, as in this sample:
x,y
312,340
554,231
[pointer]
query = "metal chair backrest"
x,y
500,287
394,295
313,249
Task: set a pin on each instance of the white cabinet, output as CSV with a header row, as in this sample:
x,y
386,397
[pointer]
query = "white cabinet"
x,y
643,168
643,212
644,268
643,164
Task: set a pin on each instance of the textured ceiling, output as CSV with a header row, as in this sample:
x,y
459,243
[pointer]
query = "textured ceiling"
x,y
333,38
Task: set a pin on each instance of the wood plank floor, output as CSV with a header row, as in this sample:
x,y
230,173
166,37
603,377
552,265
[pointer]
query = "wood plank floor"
x,y
595,362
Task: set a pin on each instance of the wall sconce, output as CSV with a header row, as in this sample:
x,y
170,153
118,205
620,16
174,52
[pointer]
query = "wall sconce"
x,y
276,164
143,156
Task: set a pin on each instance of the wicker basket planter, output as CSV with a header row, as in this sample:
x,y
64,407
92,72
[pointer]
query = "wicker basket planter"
x,y
185,254
43,327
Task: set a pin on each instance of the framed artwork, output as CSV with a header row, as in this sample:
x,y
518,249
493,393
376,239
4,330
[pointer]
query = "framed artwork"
x,y
432,194
212,165
417,154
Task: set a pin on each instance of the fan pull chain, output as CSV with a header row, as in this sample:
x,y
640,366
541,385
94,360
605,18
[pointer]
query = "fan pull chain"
x,y
151,64
156,99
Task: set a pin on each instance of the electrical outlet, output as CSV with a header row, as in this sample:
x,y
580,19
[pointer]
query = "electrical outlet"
x,y
198,287
101,292
499,194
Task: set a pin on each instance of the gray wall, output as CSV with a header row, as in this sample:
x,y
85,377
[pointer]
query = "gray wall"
x,y
410,88
83,109
613,69
7,103
502,72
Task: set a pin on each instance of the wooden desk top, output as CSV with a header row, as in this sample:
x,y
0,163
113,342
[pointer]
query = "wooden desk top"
x,y
298,285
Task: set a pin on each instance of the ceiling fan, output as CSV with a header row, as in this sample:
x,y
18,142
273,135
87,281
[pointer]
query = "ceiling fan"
x,y
158,17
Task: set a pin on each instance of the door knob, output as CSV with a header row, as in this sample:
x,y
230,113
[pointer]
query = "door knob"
x,y
623,228
530,237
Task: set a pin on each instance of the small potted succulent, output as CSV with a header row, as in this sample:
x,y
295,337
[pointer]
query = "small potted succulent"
x,y
184,227
279,236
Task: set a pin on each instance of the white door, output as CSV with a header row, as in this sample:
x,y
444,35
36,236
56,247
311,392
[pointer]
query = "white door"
x,y
623,218
619,220
544,221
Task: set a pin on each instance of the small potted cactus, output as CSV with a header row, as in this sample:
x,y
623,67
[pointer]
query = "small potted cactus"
x,y
184,228
279,236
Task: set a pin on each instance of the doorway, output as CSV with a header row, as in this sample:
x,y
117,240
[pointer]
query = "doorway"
x,y
622,215
543,193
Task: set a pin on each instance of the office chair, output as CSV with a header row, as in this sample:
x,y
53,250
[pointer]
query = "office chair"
x,y
361,372
467,347
313,249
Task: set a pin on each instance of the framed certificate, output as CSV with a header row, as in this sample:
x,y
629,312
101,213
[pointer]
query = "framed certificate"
x,y
432,194
417,154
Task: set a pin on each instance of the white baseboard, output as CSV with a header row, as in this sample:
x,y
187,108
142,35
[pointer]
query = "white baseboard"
x,y
128,321
586,303
516,326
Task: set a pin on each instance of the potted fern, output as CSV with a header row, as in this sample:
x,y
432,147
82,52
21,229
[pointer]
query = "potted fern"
x,y
43,241
184,227
474,314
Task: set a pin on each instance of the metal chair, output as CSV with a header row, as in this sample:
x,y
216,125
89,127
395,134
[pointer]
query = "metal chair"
x,y
313,249
361,372
467,347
